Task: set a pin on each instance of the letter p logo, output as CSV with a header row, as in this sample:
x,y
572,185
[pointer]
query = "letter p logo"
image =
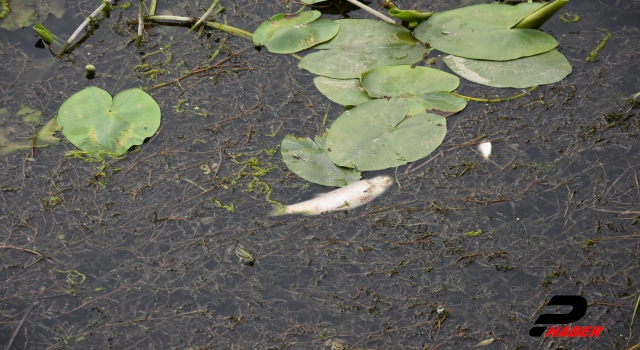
x,y
578,303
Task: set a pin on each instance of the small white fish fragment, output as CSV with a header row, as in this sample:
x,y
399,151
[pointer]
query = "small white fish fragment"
x,y
485,149
345,198
485,342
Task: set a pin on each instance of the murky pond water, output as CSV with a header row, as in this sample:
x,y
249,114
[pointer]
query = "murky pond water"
x,y
156,234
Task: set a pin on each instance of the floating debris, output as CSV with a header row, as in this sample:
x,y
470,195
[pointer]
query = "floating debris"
x,y
335,344
348,197
485,342
485,149
594,53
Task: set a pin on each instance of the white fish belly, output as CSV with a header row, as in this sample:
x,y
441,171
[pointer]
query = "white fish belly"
x,y
348,197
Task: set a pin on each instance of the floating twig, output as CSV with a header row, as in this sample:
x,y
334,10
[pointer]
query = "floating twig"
x,y
220,26
372,11
26,250
204,17
24,318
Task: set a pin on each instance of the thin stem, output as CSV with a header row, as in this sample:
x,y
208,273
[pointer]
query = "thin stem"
x,y
152,9
170,18
204,17
140,22
86,21
492,100
230,29
372,11
226,28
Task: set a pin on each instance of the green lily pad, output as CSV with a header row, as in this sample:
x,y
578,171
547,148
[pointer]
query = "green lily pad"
x,y
485,32
361,45
406,81
267,29
375,135
545,68
347,92
441,103
309,160
300,37
93,121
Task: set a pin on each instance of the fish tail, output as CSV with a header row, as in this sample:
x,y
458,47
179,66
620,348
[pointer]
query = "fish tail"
x,y
278,209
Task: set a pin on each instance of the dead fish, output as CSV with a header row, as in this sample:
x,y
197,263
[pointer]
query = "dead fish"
x,y
485,149
348,197
485,342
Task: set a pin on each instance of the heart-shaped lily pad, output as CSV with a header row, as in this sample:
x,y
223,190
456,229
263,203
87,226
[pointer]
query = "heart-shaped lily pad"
x,y
375,135
404,81
267,29
309,160
93,121
361,45
300,37
485,32
545,68
345,92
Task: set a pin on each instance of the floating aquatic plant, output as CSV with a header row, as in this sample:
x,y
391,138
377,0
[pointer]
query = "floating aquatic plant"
x,y
93,121
489,31
376,135
292,33
309,160
342,91
361,45
545,68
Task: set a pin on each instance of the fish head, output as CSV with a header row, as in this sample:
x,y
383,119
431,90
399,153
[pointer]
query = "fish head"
x,y
381,183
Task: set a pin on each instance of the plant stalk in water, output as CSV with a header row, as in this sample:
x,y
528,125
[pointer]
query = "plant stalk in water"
x,y
498,99
372,11
86,21
140,22
152,8
220,26
204,17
